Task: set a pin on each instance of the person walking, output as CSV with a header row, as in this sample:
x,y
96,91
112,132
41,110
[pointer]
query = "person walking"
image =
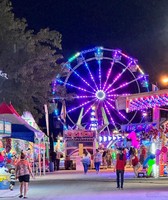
x,y
108,158
135,164
104,158
53,159
12,179
120,167
58,156
97,160
143,154
23,172
86,162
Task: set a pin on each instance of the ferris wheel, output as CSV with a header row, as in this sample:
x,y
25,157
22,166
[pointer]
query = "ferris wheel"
x,y
96,77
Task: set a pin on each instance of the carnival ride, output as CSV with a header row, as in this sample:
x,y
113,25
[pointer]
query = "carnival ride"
x,y
97,77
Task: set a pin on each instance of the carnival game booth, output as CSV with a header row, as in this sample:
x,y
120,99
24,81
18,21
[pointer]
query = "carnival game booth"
x,y
154,139
41,144
23,137
76,141
151,145
5,133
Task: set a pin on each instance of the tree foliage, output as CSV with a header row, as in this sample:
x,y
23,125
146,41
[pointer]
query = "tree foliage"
x,y
30,61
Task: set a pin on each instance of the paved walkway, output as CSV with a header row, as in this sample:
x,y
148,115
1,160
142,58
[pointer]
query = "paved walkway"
x,y
8,193
104,175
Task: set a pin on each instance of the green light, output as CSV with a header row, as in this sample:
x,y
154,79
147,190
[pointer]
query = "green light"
x,y
74,57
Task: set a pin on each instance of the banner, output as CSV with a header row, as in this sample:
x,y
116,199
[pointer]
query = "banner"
x,y
137,127
79,135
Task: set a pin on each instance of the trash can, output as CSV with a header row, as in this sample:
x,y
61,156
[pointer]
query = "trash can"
x,y
51,166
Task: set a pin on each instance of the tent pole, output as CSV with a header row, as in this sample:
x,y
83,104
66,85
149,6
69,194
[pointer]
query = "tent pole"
x,y
39,157
33,161
44,157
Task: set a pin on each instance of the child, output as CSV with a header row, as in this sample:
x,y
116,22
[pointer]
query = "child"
x,y
12,179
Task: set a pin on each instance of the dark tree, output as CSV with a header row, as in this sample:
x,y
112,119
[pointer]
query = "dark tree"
x,y
30,61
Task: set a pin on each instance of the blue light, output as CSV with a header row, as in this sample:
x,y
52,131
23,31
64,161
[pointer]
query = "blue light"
x,y
56,112
65,127
99,54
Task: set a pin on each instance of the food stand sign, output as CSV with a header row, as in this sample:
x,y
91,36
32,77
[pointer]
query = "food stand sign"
x,y
79,135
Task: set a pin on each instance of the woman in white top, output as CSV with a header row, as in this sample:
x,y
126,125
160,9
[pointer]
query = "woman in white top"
x,y
97,160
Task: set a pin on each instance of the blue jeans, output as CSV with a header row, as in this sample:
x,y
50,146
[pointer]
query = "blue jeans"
x,y
120,178
97,166
85,166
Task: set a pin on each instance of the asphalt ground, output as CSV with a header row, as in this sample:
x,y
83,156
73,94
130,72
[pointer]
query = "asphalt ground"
x,y
105,175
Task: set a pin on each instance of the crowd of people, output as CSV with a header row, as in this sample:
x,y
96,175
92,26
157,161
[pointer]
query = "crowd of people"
x,y
118,159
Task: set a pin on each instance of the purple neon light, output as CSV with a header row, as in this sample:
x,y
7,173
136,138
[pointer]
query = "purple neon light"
x,y
111,118
120,74
147,102
69,67
117,111
79,88
112,95
108,74
85,97
121,86
83,104
90,107
125,84
124,55
110,69
100,75
91,76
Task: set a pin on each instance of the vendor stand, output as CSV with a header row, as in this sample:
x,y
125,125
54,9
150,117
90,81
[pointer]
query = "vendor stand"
x,y
5,133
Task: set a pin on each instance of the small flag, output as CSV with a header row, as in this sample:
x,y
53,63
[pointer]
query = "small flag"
x,y
63,111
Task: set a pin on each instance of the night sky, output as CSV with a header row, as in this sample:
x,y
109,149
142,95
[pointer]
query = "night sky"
x,y
138,27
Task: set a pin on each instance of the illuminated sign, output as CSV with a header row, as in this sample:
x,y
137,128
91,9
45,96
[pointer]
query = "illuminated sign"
x,y
138,127
79,134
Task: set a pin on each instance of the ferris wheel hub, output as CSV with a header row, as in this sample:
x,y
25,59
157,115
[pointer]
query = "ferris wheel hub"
x,y
101,95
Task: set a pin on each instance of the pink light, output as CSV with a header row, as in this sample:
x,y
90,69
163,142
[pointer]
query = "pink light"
x,y
118,76
110,116
112,95
148,102
126,56
108,74
84,97
79,88
91,76
100,75
110,104
90,108
127,83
